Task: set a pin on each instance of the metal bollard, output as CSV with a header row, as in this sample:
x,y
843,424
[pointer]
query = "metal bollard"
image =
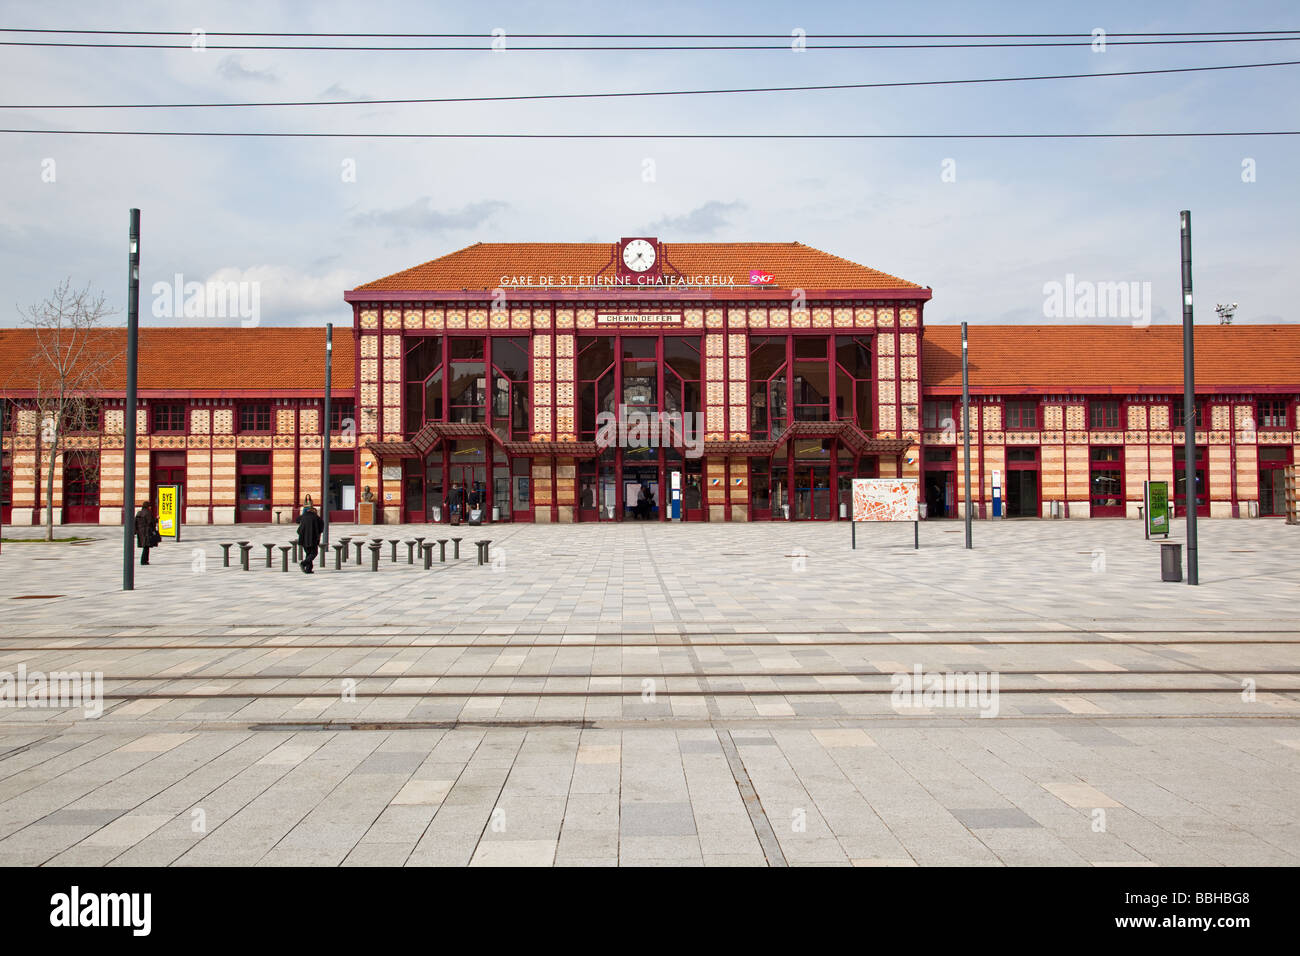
x,y
284,557
410,551
344,542
428,556
419,546
244,551
483,550
442,548
394,542
338,557
456,542
374,554
225,554
269,549
358,545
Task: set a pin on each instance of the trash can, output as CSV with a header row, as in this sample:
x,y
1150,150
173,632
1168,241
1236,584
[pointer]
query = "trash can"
x,y
1171,561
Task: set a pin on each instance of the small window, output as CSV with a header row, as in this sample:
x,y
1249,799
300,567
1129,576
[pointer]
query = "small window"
x,y
1022,454
809,347
463,348
169,418
343,414
255,418
1103,415
1273,413
938,456
1022,414
1178,419
935,414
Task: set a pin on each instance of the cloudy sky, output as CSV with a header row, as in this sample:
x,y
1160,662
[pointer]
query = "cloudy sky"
x,y
1009,217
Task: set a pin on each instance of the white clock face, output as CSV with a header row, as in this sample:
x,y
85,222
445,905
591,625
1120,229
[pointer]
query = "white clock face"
x,y
638,255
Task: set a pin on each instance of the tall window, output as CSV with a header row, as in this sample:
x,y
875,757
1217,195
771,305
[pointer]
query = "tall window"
x,y
682,373
1272,413
169,418
424,382
1023,414
853,389
1103,414
810,390
467,387
255,417
595,373
511,401
767,386
8,416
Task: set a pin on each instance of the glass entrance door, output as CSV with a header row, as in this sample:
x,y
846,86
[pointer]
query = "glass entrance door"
x,y
1272,480
812,491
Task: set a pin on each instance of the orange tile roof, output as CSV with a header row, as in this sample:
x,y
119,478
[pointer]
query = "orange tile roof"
x,y
204,359
482,266
1116,358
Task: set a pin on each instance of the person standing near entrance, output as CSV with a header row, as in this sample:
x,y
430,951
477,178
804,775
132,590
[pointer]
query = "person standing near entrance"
x,y
310,527
146,531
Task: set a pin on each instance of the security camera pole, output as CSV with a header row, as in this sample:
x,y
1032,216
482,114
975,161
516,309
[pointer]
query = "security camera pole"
x,y
1189,401
128,443
965,424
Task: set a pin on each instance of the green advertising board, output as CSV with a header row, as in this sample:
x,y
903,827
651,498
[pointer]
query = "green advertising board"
x,y
1157,507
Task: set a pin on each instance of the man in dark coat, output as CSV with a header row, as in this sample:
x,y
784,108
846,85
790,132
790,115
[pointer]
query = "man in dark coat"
x,y
310,527
146,530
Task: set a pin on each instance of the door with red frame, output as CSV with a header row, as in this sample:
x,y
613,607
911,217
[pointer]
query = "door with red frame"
x,y
1180,482
168,468
413,503
81,488
253,487
1272,479
6,488
1106,481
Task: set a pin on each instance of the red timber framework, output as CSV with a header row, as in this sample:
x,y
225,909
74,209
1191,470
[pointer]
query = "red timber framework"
x,y
232,416
783,390
480,378
1074,419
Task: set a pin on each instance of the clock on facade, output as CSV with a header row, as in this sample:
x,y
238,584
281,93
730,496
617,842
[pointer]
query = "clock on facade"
x,y
639,255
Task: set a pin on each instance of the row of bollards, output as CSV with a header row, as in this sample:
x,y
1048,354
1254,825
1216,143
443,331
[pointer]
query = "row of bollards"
x,y
421,545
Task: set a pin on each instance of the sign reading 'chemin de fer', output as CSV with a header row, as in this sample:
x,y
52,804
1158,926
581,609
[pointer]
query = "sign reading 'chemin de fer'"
x,y
638,318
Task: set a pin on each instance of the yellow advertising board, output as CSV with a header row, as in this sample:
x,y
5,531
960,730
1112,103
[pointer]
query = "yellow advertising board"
x,y
169,511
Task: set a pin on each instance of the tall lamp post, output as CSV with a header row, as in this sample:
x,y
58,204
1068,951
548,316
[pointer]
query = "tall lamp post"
x,y
128,443
965,425
1189,400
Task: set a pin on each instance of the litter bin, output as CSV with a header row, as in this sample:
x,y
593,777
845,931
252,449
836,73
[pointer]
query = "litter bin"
x,y
1171,561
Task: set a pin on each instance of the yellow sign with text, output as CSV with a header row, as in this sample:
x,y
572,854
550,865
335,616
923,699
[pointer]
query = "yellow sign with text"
x,y
169,511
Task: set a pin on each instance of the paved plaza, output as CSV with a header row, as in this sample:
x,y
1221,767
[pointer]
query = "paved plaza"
x,y
717,694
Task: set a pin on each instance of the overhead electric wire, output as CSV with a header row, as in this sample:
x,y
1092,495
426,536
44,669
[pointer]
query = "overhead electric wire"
x,y
663,136
712,47
641,36
631,94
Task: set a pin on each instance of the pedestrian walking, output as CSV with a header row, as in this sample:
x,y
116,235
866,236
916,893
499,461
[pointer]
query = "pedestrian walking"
x,y
146,531
310,527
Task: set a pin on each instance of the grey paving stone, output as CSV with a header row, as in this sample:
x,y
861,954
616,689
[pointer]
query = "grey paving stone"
x,y
998,817
656,820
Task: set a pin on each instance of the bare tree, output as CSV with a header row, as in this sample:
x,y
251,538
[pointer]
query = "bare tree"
x,y
70,357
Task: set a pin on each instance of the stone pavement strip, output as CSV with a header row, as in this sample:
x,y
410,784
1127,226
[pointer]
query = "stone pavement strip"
x,y
719,695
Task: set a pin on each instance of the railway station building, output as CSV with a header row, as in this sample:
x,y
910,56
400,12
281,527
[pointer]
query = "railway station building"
x,y
590,382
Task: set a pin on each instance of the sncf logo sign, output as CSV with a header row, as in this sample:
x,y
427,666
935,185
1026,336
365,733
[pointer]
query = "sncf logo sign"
x,y
761,277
